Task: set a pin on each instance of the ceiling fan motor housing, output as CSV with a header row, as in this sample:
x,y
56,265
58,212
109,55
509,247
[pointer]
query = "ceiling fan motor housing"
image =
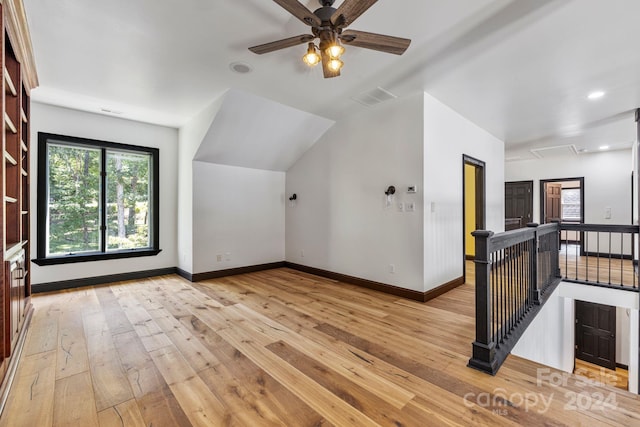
x,y
325,13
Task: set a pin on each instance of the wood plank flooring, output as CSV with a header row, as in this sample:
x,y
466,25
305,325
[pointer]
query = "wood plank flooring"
x,y
279,348
618,378
597,269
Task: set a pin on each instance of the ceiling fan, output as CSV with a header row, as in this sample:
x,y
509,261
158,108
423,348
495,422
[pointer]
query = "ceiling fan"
x,y
328,25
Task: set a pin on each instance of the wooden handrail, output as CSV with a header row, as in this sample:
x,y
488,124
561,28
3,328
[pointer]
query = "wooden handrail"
x,y
516,271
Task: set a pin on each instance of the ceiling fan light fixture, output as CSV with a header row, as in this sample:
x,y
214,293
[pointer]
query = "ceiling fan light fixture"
x,y
335,50
311,58
328,24
335,64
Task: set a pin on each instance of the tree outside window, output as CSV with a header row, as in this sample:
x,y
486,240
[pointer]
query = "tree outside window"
x,y
96,200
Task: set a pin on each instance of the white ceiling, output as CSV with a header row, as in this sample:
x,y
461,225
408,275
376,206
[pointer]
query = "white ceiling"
x,y
521,69
276,137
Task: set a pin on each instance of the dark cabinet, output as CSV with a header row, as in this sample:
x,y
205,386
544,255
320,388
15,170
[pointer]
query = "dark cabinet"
x,y
18,78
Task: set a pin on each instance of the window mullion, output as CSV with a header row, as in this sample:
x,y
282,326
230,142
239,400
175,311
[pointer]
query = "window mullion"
x,y
103,200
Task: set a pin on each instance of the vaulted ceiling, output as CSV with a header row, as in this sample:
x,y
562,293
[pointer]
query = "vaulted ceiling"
x,y
521,69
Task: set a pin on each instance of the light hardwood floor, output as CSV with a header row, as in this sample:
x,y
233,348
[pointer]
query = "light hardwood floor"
x,y
279,348
616,272
618,378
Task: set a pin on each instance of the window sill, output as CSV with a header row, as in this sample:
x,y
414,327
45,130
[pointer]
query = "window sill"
x,y
68,259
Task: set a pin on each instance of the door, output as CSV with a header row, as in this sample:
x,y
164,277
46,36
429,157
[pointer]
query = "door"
x,y
518,203
552,205
473,202
596,334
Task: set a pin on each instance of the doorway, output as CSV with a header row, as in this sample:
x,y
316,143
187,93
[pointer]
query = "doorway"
x,y
596,334
473,203
518,204
562,199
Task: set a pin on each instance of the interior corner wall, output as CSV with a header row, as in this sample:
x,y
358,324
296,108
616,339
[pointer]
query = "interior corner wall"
x,y
190,135
64,121
340,221
447,137
238,215
607,182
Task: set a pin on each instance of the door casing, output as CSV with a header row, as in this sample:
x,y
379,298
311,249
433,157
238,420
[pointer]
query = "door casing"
x,y
480,199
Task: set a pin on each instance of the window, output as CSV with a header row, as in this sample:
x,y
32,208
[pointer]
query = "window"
x,y
96,200
570,204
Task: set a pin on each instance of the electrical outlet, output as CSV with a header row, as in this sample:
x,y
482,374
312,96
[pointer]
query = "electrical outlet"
x,y
392,268
218,258
410,206
227,256
302,253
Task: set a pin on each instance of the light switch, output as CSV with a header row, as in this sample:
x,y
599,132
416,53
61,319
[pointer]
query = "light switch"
x,y
607,213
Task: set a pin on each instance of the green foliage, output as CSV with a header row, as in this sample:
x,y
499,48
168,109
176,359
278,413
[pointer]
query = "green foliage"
x,y
74,199
74,191
127,200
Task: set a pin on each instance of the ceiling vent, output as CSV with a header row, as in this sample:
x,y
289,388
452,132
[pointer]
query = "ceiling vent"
x,y
555,151
373,97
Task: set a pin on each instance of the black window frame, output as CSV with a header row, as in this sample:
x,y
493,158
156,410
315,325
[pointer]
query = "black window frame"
x,y
42,201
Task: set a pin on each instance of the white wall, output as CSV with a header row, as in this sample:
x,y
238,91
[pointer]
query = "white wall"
x,y
607,182
47,118
190,136
340,221
549,339
447,136
238,214
623,316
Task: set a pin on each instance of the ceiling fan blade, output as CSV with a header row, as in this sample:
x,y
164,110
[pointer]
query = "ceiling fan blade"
x,y
349,11
389,44
328,73
281,44
298,10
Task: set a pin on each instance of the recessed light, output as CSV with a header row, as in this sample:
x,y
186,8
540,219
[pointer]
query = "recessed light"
x,y
603,147
240,67
596,94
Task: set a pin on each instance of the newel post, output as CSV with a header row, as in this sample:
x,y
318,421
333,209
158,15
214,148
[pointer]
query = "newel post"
x,y
484,354
533,264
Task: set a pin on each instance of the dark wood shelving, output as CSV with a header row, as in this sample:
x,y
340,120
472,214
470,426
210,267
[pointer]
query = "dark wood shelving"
x,y
9,158
10,88
19,77
8,123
